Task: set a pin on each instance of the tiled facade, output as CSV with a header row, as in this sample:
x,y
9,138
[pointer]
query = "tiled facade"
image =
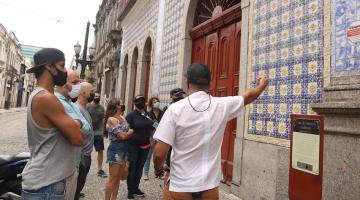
x,y
287,46
136,30
174,10
346,53
138,25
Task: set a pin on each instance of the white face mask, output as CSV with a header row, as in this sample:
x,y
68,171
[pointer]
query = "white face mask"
x,y
75,91
156,105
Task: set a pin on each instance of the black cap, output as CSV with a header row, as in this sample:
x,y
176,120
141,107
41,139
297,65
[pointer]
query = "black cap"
x,y
177,91
46,56
139,98
198,74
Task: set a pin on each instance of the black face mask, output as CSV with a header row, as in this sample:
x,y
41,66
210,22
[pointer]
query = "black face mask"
x,y
74,99
122,108
60,78
96,100
140,105
91,97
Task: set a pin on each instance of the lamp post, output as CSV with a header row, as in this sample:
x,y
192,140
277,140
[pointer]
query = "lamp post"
x,y
77,48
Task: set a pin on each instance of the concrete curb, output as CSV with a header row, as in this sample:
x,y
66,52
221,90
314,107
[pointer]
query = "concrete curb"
x,y
12,110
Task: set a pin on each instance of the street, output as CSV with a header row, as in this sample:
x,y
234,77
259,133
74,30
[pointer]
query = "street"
x,y
13,140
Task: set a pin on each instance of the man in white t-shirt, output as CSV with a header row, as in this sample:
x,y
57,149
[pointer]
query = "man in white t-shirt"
x,y
194,127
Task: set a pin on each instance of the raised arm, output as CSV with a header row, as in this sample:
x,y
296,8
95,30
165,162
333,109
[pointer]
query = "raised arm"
x,y
120,134
54,111
251,94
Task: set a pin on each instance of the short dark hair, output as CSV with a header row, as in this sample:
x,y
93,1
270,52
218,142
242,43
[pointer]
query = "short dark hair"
x,y
198,74
176,91
97,91
38,71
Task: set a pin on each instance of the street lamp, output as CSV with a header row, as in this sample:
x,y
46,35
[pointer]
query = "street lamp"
x,y
77,48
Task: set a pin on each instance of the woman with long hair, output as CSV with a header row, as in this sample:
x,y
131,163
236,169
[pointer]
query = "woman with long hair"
x,y
118,132
155,114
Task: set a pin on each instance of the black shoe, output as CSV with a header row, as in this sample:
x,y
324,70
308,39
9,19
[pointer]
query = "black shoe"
x,y
139,193
130,196
102,174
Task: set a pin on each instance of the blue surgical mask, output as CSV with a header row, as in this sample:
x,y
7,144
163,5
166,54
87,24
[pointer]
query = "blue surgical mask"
x,y
156,105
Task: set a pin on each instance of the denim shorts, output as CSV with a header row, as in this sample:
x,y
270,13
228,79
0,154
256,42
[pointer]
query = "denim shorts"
x,y
117,153
55,191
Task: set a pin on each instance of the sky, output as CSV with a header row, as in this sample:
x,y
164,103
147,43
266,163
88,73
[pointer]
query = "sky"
x,y
50,23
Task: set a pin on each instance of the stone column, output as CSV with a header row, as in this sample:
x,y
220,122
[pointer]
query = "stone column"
x,y
340,107
238,149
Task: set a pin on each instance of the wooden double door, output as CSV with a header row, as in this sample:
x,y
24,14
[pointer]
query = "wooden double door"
x,y
220,50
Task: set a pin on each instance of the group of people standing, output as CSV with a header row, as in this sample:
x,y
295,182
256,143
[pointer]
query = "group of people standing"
x,y
131,142
65,120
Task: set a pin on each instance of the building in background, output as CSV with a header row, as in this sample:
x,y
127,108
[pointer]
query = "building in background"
x,y
29,81
108,37
308,49
10,71
3,58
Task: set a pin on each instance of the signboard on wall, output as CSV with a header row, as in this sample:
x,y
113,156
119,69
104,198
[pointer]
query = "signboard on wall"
x,y
306,157
306,145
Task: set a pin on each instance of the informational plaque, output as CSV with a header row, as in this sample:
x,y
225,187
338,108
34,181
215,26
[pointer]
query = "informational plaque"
x,y
306,145
306,157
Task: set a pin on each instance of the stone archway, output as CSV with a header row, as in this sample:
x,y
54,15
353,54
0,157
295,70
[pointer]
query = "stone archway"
x,y
124,76
146,68
131,80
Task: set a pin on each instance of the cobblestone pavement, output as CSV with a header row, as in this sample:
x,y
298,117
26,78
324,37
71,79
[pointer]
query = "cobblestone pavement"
x,y
13,140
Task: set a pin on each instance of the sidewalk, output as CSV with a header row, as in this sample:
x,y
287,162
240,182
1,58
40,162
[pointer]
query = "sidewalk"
x,y
12,110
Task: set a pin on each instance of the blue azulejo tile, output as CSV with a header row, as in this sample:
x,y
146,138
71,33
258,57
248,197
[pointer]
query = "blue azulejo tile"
x,y
352,64
350,51
357,51
341,40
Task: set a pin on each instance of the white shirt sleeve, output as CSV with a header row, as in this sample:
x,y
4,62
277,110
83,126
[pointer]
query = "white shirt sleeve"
x,y
234,106
165,132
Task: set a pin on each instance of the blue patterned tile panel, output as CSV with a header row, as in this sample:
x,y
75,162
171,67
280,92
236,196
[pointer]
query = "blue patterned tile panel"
x,y
346,53
288,49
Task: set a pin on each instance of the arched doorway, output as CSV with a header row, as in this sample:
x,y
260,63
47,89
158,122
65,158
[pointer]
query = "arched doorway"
x,y
216,42
145,76
132,81
124,75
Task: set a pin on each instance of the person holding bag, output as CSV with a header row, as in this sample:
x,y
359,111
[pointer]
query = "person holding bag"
x,y
118,132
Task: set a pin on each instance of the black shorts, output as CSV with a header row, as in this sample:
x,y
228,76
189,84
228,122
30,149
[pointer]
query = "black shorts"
x,y
99,142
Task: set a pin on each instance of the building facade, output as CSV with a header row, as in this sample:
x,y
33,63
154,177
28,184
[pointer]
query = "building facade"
x,y
308,49
28,80
11,66
108,45
3,58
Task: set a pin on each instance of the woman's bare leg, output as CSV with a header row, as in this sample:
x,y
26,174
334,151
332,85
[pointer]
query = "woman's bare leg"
x,y
116,186
112,181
